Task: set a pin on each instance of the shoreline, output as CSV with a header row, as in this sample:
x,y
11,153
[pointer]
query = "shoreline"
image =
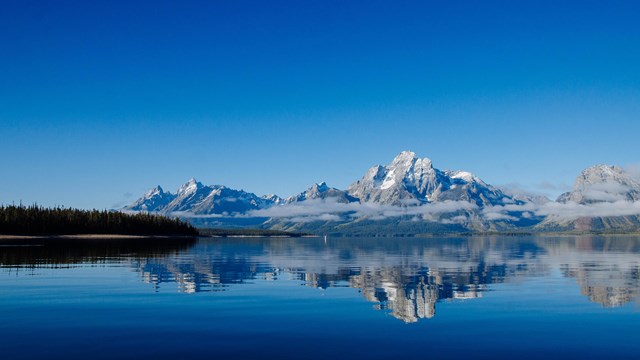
x,y
283,236
92,236
260,236
133,237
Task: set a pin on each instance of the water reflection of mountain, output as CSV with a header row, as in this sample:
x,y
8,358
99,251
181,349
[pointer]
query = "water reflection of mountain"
x,y
199,274
406,277
606,269
410,293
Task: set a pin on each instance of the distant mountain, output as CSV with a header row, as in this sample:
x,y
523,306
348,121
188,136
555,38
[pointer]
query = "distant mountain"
x,y
528,198
154,200
411,179
322,191
602,183
195,198
273,198
598,187
411,196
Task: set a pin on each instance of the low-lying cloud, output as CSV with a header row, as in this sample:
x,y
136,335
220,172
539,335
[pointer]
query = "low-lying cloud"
x,y
567,211
538,191
633,170
572,210
329,209
610,192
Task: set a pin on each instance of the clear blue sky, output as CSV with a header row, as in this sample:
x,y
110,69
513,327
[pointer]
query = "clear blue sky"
x,y
100,100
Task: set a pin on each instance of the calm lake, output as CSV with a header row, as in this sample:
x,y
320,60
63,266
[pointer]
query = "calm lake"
x,y
490,297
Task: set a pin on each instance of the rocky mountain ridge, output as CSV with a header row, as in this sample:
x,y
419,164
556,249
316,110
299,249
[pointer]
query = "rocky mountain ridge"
x,y
411,195
195,198
411,178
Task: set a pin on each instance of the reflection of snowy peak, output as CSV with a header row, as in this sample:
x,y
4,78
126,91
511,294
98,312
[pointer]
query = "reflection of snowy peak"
x,y
411,179
602,183
322,191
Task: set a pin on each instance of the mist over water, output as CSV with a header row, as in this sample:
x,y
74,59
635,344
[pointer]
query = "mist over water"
x,y
356,297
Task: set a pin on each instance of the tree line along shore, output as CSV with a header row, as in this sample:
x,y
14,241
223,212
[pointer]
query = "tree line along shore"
x,y
35,220
38,221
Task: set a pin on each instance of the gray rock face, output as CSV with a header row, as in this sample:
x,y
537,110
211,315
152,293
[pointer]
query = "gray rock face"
x,y
602,183
409,179
322,191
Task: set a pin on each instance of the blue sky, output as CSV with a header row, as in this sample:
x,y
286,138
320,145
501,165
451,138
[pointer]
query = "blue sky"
x,y
101,100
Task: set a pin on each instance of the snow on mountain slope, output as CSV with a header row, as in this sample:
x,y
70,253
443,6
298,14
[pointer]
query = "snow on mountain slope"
x,y
408,178
155,199
604,198
602,183
410,190
322,191
195,198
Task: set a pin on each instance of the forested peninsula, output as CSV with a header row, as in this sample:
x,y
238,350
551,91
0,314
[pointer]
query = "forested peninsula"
x,y
36,220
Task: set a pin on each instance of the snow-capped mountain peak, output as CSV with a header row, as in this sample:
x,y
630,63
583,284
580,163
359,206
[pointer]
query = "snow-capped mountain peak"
x,y
603,183
464,175
273,198
409,177
154,192
196,198
408,181
322,191
405,158
189,187
605,173
152,200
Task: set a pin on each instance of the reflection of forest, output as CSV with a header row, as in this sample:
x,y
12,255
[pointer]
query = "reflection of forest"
x,y
406,277
54,252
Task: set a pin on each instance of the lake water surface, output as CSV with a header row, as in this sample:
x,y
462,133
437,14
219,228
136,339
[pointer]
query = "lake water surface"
x,y
494,297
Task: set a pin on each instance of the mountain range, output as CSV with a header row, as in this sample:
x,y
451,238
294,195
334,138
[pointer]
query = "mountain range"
x,y
410,196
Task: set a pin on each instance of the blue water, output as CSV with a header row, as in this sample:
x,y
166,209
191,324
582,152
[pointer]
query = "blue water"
x,y
502,297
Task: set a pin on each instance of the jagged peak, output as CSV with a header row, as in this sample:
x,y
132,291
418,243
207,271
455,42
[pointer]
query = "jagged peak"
x,y
603,169
404,157
321,186
154,191
407,153
375,172
602,183
603,173
407,159
189,186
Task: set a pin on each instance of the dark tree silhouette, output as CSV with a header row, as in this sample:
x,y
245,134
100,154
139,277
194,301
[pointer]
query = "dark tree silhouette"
x,y
37,220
